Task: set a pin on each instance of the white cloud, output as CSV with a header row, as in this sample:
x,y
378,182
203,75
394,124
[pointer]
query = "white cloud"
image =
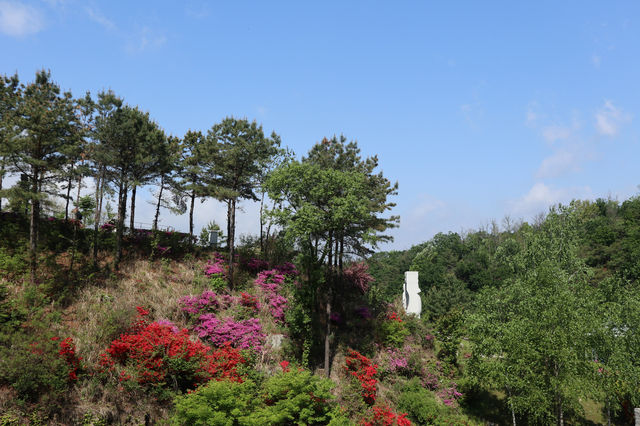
x,y
554,133
540,197
99,18
596,60
560,162
19,20
145,39
609,118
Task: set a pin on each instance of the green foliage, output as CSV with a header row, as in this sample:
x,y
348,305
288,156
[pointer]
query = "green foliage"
x,y
216,403
32,366
293,397
393,332
419,403
449,329
531,335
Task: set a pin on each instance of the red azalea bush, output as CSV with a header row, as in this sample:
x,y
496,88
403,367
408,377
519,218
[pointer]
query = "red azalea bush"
x,y
68,353
383,416
361,367
154,354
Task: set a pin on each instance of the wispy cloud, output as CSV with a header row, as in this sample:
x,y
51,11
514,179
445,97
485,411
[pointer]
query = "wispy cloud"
x,y
610,118
145,39
19,20
565,160
596,60
540,197
556,133
100,19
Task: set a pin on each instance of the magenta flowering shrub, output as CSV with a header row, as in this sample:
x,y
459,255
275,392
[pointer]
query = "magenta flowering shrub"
x,y
246,334
364,312
397,361
208,301
288,269
449,395
271,283
358,275
215,266
256,265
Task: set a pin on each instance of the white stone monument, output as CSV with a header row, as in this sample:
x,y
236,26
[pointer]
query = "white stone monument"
x,y
411,294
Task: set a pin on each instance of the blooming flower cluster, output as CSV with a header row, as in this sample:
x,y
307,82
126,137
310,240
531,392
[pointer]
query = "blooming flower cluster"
x,y
397,362
249,301
154,352
394,317
364,312
383,416
215,266
449,395
361,367
358,275
68,353
257,265
271,282
245,334
208,301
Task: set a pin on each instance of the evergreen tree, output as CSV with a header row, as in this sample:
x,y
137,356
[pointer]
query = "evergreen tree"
x,y
240,153
44,130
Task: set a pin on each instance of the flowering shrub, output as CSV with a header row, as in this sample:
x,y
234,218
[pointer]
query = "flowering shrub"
x,y
249,301
246,334
257,265
449,395
68,353
288,269
361,367
208,301
357,274
383,416
271,282
393,330
154,354
397,361
364,312
215,266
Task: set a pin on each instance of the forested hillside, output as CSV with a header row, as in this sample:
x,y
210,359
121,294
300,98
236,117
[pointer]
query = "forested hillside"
x,y
106,322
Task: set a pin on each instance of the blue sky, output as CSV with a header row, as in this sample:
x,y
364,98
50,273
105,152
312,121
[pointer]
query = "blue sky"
x,y
478,109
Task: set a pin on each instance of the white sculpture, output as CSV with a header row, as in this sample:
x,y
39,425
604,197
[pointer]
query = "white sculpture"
x,y
411,294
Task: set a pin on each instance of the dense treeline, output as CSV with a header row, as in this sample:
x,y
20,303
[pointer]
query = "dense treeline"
x,y
552,310
55,143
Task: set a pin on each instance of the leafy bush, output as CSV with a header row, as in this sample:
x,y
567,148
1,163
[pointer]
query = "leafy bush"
x,y
295,397
216,403
383,416
393,330
419,403
33,367
290,397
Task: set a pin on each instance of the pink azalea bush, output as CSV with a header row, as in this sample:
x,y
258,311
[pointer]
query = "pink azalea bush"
x,y
245,334
215,266
208,301
271,282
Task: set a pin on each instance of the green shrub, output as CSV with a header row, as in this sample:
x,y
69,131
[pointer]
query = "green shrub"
x,y
12,264
295,397
292,397
33,367
419,403
217,403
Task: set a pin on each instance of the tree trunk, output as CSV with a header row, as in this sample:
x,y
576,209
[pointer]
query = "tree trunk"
x,y
341,252
193,199
133,208
327,337
33,225
122,210
261,226
230,239
155,219
97,217
1,178
66,206
513,412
